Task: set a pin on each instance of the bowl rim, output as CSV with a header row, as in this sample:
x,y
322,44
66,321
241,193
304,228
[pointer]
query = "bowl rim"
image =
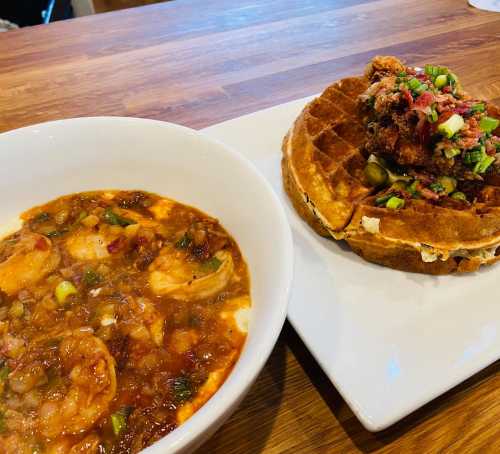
x,y
221,407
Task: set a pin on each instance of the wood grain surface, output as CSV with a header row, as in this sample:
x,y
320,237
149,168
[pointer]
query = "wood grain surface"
x,y
201,62
103,6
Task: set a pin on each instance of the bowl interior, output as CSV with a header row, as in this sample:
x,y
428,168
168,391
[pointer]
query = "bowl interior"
x,y
45,161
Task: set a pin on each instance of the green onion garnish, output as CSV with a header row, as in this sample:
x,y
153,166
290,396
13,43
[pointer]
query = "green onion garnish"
x,y
183,242
91,278
382,200
421,88
436,187
453,79
431,70
433,116
63,290
459,196
118,422
452,152
394,203
114,219
483,165
441,81
451,126
413,83
412,189
488,124
211,265
473,156
478,107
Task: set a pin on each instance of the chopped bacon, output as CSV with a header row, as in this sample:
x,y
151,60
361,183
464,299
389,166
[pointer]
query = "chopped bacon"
x,y
424,101
428,194
462,110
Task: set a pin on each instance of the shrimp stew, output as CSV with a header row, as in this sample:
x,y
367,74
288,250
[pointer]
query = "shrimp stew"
x,y
121,313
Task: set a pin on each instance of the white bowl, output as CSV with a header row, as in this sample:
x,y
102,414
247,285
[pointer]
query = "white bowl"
x,y
41,162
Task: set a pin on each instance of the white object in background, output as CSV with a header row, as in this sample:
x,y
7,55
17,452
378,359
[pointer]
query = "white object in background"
x,y
5,25
44,161
487,5
389,341
82,7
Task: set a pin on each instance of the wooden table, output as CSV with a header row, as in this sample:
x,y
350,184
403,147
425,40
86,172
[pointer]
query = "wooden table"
x,y
201,62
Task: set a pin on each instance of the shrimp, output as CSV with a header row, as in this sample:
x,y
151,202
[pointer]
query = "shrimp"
x,y
91,372
171,274
86,244
33,258
143,321
14,444
66,445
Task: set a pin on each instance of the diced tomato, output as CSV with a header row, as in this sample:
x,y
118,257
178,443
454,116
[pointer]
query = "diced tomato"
x,y
446,89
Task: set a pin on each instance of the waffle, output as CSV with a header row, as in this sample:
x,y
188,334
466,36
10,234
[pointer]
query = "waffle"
x,y
324,157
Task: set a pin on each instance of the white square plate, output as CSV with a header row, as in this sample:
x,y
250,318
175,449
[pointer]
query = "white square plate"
x,y
389,341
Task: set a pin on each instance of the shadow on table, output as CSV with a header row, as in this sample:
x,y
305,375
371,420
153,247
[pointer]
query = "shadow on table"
x,y
251,425
366,441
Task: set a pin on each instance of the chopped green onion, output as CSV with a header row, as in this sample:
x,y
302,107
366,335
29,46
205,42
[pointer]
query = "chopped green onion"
x,y
451,126
458,196
118,422
436,187
382,200
421,88
431,70
453,79
211,265
478,107
473,156
449,184
4,373
56,233
412,189
413,83
402,74
394,203
42,217
441,81
488,124
183,389
483,165
63,290
114,219
433,117
91,278
452,152
184,242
